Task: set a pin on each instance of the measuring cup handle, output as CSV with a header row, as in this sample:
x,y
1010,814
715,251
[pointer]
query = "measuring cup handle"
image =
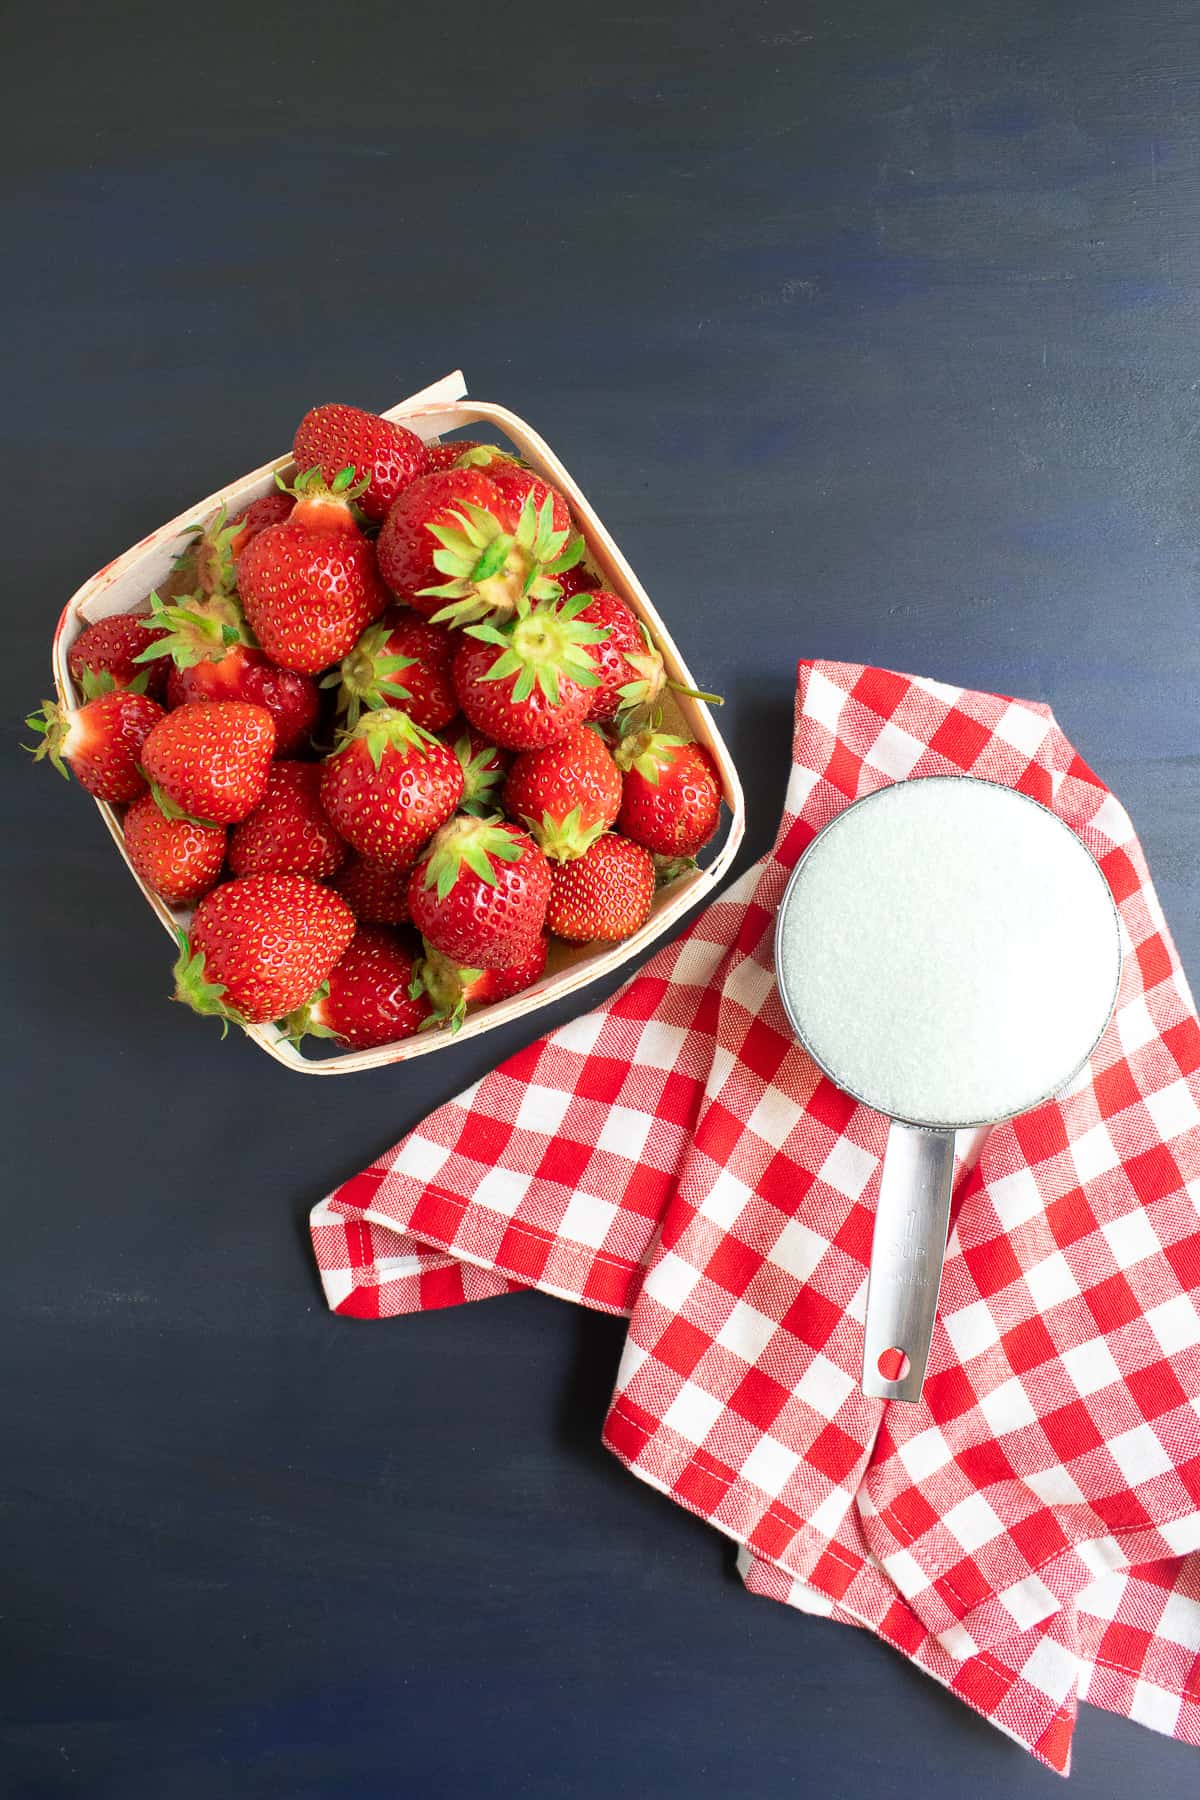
x,y
907,1252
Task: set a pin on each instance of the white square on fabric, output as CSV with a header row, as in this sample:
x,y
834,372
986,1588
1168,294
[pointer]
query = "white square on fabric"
x,y
906,1572
625,1132
542,1109
660,1045
824,1386
941,690
1131,1239
726,1200
973,1522
1029,1602
747,1332
693,1413
848,1168
1016,1198
502,1191
798,1250
587,1220
694,964
925,1454
1181,1536
770,1465
896,752
775,1118
1054,1486
749,984
823,701
1135,1027
1173,1109
421,1158
972,1330
1007,1408
958,1642
1093,1153
1179,1623
1051,1669
1176,1324
1051,1282
1091,1366
671,1281
1024,730
1139,1455
581,1034
1155,1707
1112,820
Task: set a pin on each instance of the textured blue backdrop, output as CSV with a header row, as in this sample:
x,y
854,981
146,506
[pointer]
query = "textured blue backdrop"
x,y
872,329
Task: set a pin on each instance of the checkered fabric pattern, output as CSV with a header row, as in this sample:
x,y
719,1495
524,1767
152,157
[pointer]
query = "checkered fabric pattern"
x,y
1029,1534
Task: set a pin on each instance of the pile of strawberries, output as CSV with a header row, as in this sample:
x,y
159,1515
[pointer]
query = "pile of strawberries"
x,y
391,696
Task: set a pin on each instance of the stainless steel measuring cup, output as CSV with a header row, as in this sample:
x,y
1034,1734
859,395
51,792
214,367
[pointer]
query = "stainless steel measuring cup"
x,y
950,963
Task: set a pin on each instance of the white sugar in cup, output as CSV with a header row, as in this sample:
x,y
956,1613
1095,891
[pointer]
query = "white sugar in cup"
x,y
949,953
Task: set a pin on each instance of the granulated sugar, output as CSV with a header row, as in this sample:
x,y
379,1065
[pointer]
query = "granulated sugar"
x,y
949,951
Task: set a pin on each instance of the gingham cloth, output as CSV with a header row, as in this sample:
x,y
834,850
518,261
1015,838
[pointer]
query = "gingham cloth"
x,y
1029,1534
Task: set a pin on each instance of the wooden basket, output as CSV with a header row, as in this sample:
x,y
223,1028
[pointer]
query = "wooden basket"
x,y
125,583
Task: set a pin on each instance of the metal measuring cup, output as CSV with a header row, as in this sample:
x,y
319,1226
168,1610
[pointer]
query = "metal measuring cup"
x,y
864,896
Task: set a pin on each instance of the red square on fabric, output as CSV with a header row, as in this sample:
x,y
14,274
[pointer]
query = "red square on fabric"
x,y
902,1628
612,1283
1071,1431
1157,1390
758,1398
984,1464
1039,1538
960,739
442,1287
564,1161
775,1531
647,1192
993,1265
483,1138
641,999
983,1683
1041,1134
1121,1512
629,1428
361,1302
855,1232
733,1265
1054,1745
1115,1090
843,770
963,1587
1183,1041
361,1189
436,1216
719,1133
1112,1303
679,1100
1036,782
830,1106
1070,1218
1126,1646
681,1346
881,690
1154,1173
763,1049
783,1184
525,1250
834,1453
754,927
949,1394
1028,1344
704,1484
910,1515
1120,874
1153,961
1184,1258
832,1575
601,1078
812,1318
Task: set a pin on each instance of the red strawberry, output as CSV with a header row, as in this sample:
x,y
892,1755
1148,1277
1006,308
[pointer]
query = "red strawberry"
x,y
566,794
206,645
288,832
605,893
209,760
672,793
579,580
375,894
103,741
444,456
465,557
524,685
479,893
209,559
632,672
388,456
310,585
452,989
111,647
272,509
389,787
403,661
483,763
368,998
258,947
177,859
516,482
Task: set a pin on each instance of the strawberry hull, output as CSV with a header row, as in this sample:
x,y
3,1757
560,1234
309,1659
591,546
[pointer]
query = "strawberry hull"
x,y
122,586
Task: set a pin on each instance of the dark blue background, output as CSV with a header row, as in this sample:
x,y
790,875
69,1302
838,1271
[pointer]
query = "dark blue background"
x,y
872,329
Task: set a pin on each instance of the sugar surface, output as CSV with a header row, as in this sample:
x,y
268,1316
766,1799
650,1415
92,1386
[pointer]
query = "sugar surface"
x,y
949,951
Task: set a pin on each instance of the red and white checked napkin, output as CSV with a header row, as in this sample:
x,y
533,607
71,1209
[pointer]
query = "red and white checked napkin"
x,y
1029,1534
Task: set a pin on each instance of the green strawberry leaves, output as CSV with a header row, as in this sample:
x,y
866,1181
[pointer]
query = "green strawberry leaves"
x,y
364,677
493,570
474,844
200,628
543,644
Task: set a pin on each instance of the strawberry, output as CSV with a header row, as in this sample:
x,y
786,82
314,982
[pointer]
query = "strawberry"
x,y
389,787
375,894
403,661
211,657
177,859
566,794
102,741
479,893
310,585
368,997
288,832
209,559
633,675
111,647
525,684
671,800
258,947
385,455
439,457
208,760
516,482
494,552
605,893
483,763
451,989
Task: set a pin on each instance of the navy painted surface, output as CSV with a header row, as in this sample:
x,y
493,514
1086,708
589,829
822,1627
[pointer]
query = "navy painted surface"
x,y
872,330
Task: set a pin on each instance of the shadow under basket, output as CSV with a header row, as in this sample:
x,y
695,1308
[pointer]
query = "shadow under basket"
x,y
125,583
